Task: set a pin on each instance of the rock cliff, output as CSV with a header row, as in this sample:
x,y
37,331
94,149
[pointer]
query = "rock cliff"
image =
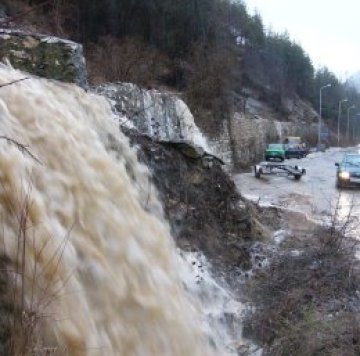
x,y
44,56
162,116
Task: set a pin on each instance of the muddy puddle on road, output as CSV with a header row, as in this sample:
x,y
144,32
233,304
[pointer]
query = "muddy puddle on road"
x,y
314,195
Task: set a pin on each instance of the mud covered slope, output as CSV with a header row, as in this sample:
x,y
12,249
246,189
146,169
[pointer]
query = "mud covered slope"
x,y
200,201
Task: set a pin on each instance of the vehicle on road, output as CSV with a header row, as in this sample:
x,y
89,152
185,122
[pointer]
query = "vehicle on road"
x,y
295,147
275,151
295,151
348,171
278,169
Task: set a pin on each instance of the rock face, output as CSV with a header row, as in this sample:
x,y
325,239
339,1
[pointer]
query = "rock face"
x,y
221,145
251,135
238,142
162,116
241,140
245,140
45,56
201,203
293,110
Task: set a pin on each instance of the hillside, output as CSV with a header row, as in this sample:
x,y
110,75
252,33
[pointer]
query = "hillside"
x,y
212,51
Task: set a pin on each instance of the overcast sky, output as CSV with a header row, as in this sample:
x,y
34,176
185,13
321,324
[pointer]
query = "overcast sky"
x,y
328,30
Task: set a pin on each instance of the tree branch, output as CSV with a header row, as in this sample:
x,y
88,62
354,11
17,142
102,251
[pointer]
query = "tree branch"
x,y
14,18
22,148
13,82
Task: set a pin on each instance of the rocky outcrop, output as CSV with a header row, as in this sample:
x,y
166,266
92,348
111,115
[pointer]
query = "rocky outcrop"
x,y
292,110
238,142
162,116
201,202
241,139
44,56
300,112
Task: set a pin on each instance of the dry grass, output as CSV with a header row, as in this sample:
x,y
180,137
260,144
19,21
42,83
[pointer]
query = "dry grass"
x,y
24,301
307,303
28,280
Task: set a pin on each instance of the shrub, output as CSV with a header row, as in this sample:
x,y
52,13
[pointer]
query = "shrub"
x,y
307,300
125,60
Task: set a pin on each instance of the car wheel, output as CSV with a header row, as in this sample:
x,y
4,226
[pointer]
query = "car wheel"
x,y
297,176
339,185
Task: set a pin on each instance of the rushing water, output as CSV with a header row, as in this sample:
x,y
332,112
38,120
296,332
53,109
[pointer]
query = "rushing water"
x,y
99,266
222,313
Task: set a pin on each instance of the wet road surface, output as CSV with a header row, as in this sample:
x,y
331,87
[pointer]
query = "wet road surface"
x,y
314,194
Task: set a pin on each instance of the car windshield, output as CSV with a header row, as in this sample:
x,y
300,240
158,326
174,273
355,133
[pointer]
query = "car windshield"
x,y
275,146
352,159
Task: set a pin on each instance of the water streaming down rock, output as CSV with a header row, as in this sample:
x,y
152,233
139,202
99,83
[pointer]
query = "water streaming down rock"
x,y
221,311
100,265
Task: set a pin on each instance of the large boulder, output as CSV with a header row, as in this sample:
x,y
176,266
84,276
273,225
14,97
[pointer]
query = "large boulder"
x,y
160,115
45,56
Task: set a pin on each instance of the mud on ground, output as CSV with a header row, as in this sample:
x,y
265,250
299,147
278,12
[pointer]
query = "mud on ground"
x,y
201,202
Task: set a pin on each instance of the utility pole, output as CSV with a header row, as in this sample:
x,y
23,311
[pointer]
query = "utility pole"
x,y
339,118
348,122
320,108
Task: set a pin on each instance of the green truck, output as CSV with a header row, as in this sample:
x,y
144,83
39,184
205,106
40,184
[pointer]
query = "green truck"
x,y
275,151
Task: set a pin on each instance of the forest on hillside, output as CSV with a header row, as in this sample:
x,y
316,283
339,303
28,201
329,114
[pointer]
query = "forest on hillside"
x,y
207,49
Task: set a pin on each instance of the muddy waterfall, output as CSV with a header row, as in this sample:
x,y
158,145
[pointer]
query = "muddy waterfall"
x,y
83,235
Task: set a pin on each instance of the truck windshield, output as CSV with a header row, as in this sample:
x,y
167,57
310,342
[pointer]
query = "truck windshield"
x,y
275,146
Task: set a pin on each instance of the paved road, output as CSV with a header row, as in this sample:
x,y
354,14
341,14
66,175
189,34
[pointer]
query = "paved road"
x,y
315,194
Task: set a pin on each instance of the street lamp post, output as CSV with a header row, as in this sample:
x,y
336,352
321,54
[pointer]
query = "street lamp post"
x,y
339,118
358,114
319,128
348,122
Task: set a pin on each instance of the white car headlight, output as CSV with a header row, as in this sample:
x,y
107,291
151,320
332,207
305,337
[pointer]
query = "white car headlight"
x,y
344,175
